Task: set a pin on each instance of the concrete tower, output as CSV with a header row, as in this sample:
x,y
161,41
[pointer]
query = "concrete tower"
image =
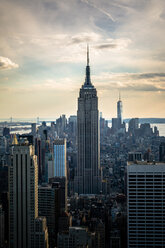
x,y
87,179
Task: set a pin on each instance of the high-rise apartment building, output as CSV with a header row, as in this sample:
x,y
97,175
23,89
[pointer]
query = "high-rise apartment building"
x,y
87,179
23,196
146,204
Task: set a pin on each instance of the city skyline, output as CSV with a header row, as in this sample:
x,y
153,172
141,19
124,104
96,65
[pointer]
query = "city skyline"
x,y
43,55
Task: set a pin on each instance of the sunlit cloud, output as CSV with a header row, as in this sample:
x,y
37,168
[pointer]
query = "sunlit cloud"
x,y
6,63
131,82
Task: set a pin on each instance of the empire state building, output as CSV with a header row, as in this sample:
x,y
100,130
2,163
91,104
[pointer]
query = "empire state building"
x,y
87,179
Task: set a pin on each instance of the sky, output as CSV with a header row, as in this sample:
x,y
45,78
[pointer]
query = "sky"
x,y
43,56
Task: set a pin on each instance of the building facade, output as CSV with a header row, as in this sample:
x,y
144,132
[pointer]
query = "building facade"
x,y
133,125
87,179
41,233
119,112
59,153
23,196
146,204
162,152
76,237
47,207
2,227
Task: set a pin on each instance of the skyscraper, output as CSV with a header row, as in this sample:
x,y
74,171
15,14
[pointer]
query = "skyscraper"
x,y
146,204
33,129
87,179
59,152
46,207
133,125
23,196
119,112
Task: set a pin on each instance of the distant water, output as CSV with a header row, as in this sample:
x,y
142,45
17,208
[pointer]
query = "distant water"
x,y
31,120
161,128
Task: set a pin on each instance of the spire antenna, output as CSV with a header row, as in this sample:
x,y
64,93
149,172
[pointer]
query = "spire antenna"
x,y
87,55
87,82
119,96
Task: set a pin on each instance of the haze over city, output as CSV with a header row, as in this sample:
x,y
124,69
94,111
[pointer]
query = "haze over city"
x,y
43,56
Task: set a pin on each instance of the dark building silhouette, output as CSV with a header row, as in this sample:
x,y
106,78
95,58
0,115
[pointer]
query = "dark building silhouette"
x,y
38,152
47,208
59,186
26,136
2,227
114,124
6,131
4,202
4,197
162,152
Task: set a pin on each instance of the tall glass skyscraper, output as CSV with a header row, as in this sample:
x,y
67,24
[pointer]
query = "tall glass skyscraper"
x,y
87,179
59,148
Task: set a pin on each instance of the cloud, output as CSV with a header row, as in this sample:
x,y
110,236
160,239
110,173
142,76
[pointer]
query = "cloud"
x,y
6,63
85,37
48,38
99,9
141,82
148,75
105,46
118,44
